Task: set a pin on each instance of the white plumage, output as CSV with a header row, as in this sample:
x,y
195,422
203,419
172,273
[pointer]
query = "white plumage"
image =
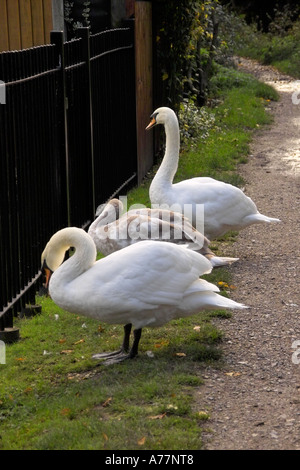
x,y
145,284
226,207
112,231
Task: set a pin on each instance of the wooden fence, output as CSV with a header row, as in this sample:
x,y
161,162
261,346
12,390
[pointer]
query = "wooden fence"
x,y
24,23
67,143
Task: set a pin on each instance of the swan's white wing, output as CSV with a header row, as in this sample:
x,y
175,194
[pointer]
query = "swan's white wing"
x,y
128,284
224,205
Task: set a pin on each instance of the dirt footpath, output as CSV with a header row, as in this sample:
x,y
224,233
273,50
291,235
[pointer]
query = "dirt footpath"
x,y
254,400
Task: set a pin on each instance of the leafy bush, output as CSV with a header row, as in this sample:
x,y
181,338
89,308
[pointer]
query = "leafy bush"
x,y
185,55
194,122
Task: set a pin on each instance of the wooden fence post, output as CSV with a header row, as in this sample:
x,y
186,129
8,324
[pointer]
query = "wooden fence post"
x,y
144,85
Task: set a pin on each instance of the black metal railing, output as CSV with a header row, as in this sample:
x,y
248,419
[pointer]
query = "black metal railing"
x,y
67,144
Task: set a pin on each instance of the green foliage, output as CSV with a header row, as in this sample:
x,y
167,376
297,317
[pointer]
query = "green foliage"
x,y
194,122
279,47
185,54
73,25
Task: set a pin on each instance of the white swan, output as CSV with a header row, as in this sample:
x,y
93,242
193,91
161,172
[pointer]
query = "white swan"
x,y
146,284
226,207
112,232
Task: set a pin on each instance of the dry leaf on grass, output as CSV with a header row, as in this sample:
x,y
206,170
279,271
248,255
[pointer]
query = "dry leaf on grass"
x,y
141,441
80,341
161,416
107,402
66,351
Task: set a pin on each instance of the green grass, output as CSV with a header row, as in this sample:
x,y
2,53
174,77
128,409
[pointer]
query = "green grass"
x,y
281,51
54,396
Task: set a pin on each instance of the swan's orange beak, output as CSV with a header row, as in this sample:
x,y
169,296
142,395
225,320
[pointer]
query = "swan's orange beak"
x,y
47,274
151,123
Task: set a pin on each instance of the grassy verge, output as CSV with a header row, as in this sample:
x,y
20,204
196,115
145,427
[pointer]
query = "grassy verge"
x,y
53,396
281,51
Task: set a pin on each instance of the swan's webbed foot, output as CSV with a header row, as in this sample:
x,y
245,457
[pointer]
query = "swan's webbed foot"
x,y
108,354
116,357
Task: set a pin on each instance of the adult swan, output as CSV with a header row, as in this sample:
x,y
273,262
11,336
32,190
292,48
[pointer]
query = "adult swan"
x,y
146,284
226,207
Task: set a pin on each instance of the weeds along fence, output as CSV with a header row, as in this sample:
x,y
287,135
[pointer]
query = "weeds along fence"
x,y
67,144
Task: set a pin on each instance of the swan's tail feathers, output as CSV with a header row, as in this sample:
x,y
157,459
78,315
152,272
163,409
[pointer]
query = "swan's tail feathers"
x,y
260,218
217,261
224,302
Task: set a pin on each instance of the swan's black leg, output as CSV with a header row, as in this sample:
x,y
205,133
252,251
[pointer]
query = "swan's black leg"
x,y
127,331
124,347
137,336
133,351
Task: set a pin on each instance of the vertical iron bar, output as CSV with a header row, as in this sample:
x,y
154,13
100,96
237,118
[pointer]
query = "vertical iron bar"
x,y
84,34
57,38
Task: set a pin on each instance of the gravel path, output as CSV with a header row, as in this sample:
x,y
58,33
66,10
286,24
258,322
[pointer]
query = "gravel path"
x,y
254,400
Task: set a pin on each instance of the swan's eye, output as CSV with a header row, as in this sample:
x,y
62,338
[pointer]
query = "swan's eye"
x,y
153,121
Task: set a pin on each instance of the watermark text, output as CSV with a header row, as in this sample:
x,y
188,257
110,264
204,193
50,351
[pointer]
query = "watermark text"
x,y
2,92
2,353
296,353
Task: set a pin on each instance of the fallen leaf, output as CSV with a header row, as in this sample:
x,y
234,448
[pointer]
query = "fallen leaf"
x,y
232,374
20,358
66,351
107,402
100,328
180,354
161,344
65,411
61,341
197,328
141,441
28,390
161,416
105,436
80,341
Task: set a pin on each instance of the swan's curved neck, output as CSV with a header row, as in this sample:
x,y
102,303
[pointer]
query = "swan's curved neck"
x,y
109,214
167,170
83,258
